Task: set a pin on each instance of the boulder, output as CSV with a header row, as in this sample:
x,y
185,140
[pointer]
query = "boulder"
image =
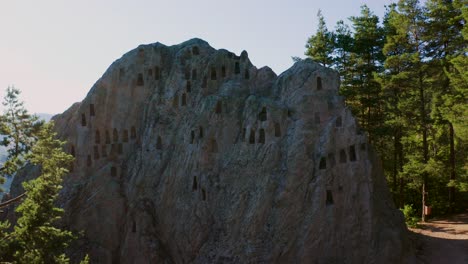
x,y
188,154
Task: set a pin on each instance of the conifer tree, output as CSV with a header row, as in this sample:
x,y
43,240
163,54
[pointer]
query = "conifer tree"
x,y
409,24
35,237
19,129
394,80
319,47
367,49
407,83
455,108
343,59
444,41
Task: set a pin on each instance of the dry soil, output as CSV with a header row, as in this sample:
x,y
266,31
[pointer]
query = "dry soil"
x,y
443,240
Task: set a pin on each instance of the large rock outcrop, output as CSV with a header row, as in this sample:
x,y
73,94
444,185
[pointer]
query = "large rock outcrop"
x,y
187,154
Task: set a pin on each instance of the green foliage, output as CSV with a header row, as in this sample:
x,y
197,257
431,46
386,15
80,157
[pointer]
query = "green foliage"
x,y
320,45
410,215
406,81
35,237
364,95
85,260
343,57
4,226
19,129
455,108
461,185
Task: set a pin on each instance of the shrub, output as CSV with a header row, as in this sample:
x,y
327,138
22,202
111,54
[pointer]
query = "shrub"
x,y
410,215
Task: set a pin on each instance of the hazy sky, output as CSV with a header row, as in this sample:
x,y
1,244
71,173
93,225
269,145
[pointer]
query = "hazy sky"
x,y
54,50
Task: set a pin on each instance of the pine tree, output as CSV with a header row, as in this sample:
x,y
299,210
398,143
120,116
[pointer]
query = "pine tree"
x,y
342,56
319,47
19,129
409,24
444,41
4,237
455,106
394,80
409,94
367,50
35,238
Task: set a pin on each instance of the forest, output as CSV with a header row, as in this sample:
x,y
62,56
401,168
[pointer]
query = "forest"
x,y
405,77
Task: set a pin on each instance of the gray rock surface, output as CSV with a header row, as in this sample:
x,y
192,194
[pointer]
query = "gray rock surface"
x,y
187,154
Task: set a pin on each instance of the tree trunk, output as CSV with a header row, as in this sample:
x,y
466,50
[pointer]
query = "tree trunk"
x,y
452,167
401,197
399,164
395,165
425,145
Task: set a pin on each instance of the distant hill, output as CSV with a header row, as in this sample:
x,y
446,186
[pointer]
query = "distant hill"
x,y
45,116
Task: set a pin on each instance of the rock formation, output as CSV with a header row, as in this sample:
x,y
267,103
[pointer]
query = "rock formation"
x,y
187,154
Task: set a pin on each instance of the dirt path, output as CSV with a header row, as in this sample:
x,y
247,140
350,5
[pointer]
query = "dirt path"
x,y
443,240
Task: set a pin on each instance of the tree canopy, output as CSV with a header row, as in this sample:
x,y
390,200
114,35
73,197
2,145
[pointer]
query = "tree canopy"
x,y
19,130
405,79
35,236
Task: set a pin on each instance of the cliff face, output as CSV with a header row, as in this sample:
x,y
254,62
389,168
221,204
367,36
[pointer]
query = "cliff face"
x,y
187,154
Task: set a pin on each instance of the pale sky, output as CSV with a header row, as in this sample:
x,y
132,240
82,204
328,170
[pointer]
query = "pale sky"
x,y
54,50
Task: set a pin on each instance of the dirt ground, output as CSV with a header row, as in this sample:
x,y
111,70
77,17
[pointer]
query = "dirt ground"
x,y
442,240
